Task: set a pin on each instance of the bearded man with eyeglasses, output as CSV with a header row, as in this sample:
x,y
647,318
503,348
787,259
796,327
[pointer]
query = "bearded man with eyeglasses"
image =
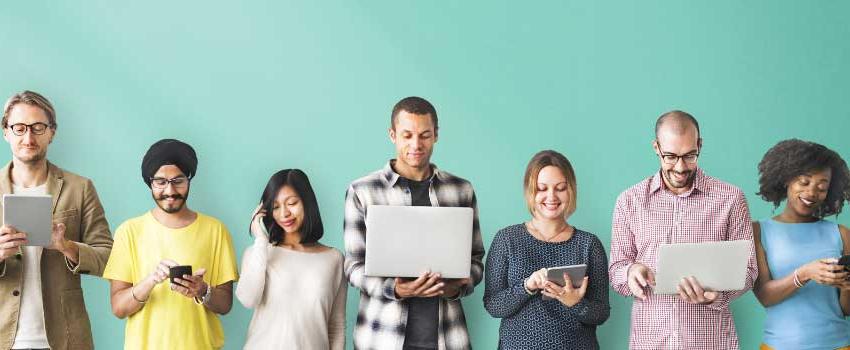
x,y
41,300
678,204
173,270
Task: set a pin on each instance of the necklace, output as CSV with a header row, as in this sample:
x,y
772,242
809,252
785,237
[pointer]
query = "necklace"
x,y
540,233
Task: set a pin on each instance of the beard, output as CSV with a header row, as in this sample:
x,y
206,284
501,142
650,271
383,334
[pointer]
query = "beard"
x,y
689,178
33,158
180,201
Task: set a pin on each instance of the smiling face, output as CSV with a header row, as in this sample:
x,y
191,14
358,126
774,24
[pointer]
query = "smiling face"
x,y
170,197
807,192
288,210
552,196
679,175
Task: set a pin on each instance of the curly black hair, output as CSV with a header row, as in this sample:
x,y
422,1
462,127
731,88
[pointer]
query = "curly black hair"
x,y
789,159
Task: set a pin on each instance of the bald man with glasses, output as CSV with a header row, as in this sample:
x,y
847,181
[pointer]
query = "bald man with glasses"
x,y
679,204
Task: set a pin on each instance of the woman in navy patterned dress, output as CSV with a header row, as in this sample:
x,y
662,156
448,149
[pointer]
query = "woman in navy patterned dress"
x,y
515,276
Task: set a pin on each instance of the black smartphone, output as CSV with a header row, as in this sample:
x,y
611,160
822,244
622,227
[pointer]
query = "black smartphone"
x,y
178,272
268,222
845,260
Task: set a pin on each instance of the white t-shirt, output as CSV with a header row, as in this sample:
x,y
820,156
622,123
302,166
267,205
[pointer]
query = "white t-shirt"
x,y
31,330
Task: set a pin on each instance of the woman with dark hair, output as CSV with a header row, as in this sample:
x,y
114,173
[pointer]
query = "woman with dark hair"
x,y
798,246
294,283
538,313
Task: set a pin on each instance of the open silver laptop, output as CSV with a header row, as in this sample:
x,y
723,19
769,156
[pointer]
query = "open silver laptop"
x,y
718,266
404,241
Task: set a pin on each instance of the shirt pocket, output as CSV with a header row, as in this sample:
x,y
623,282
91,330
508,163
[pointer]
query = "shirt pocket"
x,y
654,226
705,223
71,219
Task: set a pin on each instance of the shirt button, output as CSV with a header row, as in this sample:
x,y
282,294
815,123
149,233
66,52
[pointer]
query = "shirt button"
x,y
16,293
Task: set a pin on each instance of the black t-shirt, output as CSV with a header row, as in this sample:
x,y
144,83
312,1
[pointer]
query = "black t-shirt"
x,y
423,313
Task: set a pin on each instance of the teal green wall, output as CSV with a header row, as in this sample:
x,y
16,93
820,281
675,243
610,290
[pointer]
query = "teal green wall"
x,y
269,85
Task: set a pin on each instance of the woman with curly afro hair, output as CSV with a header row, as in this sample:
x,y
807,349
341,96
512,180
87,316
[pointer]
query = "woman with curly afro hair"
x,y
798,247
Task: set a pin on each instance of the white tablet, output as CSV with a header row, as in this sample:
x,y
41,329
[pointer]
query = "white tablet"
x,y
718,266
31,214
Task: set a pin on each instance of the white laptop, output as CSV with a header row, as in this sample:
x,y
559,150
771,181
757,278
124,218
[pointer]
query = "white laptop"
x,y
717,266
405,241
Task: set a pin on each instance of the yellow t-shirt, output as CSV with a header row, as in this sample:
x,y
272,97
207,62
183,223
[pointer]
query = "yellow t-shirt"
x,y
170,320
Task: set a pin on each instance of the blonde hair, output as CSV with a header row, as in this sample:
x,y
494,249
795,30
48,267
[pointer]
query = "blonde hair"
x,y
550,158
33,99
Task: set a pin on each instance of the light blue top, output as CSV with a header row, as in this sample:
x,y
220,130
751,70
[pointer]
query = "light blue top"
x,y
811,318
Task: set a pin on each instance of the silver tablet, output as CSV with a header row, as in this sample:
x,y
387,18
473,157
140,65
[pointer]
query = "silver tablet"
x,y
31,214
576,273
718,266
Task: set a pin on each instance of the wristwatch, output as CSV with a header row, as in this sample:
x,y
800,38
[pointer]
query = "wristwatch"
x,y
206,297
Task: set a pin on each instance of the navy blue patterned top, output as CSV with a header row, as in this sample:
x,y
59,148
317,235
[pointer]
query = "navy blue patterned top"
x,y
528,321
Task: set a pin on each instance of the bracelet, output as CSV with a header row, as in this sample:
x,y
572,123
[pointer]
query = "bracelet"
x,y
797,280
526,287
133,293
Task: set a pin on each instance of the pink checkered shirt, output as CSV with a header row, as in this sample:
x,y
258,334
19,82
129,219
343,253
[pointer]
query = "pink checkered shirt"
x,y
647,215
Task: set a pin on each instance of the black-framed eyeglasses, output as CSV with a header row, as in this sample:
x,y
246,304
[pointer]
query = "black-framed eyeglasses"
x,y
177,182
672,158
19,129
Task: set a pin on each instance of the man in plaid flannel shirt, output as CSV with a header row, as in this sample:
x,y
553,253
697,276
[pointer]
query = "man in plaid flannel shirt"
x,y
409,314
679,204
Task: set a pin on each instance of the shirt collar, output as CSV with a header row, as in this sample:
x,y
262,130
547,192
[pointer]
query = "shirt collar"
x,y
391,177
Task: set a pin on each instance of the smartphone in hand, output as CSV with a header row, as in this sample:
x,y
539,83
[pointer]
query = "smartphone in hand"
x,y
845,260
178,272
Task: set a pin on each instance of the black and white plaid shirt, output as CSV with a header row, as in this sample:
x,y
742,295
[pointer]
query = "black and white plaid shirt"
x,y
382,318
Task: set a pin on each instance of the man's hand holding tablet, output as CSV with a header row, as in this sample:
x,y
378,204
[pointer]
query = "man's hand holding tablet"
x,y
10,241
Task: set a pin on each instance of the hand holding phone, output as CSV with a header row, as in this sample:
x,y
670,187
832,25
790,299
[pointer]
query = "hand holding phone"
x,y
845,261
178,272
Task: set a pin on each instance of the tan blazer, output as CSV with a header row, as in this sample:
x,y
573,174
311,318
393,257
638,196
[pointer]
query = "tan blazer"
x,y
76,204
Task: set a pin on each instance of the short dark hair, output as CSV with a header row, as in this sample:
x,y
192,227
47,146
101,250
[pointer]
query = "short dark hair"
x,y
311,227
789,159
415,105
680,118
